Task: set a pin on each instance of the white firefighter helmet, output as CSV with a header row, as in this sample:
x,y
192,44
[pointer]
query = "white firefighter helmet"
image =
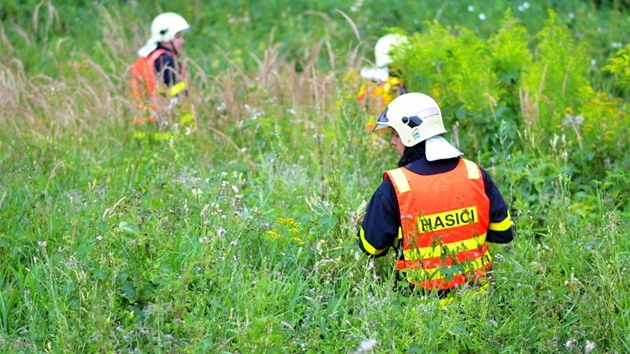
x,y
384,46
163,29
416,117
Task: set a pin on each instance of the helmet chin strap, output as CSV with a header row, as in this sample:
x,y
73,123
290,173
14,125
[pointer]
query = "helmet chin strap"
x,y
172,47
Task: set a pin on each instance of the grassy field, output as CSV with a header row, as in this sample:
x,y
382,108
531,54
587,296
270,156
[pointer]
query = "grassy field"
x,y
240,236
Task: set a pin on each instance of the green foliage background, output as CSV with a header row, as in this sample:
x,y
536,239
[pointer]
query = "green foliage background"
x,y
239,236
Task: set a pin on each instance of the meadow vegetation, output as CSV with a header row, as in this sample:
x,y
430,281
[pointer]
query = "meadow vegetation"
x,y
240,235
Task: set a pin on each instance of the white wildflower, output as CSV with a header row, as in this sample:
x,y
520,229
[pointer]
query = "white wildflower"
x,y
204,211
71,262
366,346
590,345
570,120
369,265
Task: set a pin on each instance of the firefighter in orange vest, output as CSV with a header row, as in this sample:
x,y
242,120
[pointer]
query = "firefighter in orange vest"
x,y
383,82
158,79
437,209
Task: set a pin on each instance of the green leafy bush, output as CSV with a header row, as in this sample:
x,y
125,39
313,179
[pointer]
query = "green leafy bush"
x,y
556,78
619,65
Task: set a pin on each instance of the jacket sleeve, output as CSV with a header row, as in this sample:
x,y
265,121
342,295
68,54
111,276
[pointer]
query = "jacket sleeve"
x,y
501,228
381,223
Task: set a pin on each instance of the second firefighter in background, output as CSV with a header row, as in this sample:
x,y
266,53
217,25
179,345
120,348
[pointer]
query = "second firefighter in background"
x,y
382,83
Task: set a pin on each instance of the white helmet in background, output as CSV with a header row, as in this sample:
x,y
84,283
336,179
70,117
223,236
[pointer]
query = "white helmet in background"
x,y
385,45
416,117
163,29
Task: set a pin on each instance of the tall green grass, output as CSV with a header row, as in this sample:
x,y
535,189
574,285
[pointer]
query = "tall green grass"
x,y
240,235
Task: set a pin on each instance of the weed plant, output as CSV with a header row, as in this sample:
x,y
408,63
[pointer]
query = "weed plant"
x,y
240,235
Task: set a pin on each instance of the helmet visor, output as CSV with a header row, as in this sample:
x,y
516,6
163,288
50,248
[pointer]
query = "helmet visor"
x,y
383,121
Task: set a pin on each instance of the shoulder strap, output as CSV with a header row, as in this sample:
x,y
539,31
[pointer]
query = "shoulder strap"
x,y
155,55
399,180
473,169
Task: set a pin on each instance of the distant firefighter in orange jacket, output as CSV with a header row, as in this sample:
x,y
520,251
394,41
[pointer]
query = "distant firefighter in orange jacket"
x,y
437,209
158,79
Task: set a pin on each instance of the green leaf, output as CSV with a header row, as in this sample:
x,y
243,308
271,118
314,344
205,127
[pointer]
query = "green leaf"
x,y
127,228
129,291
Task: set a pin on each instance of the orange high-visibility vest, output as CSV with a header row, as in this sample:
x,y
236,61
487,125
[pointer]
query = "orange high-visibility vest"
x,y
386,91
444,220
144,88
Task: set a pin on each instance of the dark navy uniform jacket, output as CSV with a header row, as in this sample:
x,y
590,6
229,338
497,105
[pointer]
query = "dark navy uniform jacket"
x,y
167,67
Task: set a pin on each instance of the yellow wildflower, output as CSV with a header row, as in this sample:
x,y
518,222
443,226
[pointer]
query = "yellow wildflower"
x,y
273,234
287,221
